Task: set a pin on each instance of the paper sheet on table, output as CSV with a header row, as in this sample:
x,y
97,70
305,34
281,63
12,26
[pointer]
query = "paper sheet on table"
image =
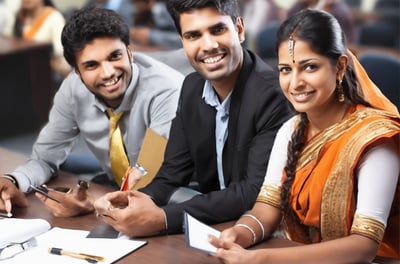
x,y
76,241
19,230
196,234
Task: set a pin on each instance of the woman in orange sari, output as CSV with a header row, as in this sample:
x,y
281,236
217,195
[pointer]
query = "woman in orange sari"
x,y
334,168
39,20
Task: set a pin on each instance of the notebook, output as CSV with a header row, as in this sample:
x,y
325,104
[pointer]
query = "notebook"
x,y
42,237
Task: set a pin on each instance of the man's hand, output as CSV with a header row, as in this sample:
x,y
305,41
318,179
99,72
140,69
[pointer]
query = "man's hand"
x,y
10,195
131,212
77,202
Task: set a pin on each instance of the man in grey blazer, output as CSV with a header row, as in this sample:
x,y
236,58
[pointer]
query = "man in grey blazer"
x,y
228,114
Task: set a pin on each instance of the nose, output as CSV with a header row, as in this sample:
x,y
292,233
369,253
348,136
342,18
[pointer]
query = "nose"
x,y
296,82
107,70
209,42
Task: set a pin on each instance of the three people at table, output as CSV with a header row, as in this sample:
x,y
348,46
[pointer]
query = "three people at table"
x,y
333,173
345,134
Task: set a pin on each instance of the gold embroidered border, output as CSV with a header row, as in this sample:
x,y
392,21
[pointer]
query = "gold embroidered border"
x,y
369,227
337,188
270,194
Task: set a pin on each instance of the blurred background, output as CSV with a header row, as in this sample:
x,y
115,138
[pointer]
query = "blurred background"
x,y
32,66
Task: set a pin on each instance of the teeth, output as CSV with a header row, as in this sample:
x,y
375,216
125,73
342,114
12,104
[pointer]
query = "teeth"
x,y
302,95
213,59
111,82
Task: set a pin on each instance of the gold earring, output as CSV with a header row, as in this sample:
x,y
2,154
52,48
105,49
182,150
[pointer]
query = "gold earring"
x,y
339,88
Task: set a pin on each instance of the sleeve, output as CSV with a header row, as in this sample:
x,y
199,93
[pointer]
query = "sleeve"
x,y
278,157
53,144
164,103
378,172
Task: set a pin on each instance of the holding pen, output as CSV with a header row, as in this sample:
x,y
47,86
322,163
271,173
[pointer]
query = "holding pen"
x,y
87,257
132,177
6,214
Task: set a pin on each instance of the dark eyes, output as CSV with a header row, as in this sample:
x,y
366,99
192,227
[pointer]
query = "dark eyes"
x,y
115,56
307,68
217,30
284,69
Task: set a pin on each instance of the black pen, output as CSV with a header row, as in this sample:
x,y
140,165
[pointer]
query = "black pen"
x,y
87,257
43,190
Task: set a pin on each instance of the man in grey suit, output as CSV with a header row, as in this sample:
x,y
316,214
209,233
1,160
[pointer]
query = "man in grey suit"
x,y
228,114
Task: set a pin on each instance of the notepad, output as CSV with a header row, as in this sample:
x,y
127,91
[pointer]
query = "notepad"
x,y
72,240
196,234
16,230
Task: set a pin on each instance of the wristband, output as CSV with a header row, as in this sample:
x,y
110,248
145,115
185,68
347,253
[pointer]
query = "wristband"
x,y
11,179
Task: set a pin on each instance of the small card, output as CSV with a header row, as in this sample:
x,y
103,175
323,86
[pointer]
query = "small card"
x,y
196,234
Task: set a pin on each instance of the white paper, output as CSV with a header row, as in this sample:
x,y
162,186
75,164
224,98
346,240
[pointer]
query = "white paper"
x,y
196,234
75,241
18,230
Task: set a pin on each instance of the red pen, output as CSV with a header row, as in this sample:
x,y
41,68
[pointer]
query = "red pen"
x,y
125,180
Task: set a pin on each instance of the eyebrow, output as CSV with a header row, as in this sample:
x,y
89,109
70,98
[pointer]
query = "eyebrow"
x,y
95,61
300,62
210,28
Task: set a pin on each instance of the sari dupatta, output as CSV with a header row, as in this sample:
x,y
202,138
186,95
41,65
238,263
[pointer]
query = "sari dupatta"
x,y
31,31
371,92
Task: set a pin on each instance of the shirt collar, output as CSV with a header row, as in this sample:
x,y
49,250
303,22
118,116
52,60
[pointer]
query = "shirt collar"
x,y
210,97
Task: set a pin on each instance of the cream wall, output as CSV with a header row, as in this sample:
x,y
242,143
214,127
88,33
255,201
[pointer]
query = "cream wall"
x,y
65,5
366,5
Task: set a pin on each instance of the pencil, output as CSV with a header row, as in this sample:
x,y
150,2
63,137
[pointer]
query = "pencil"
x,y
87,257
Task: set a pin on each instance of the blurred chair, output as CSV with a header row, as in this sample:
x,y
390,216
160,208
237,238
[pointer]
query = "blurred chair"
x,y
353,3
266,40
385,30
384,70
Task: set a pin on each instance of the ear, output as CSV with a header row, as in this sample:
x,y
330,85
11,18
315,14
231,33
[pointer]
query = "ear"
x,y
240,29
130,53
342,66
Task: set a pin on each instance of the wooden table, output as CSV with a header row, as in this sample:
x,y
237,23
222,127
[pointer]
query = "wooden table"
x,y
161,249
27,84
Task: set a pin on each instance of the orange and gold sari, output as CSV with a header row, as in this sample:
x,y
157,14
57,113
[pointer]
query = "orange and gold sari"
x,y
324,191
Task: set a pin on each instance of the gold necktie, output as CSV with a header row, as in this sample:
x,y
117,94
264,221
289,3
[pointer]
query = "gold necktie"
x,y
118,160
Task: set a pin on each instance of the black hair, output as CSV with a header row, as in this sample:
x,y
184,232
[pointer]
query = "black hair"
x,y
177,7
87,24
324,35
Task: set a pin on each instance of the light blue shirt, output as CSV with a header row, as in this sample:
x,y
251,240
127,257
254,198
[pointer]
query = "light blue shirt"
x,y
221,124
